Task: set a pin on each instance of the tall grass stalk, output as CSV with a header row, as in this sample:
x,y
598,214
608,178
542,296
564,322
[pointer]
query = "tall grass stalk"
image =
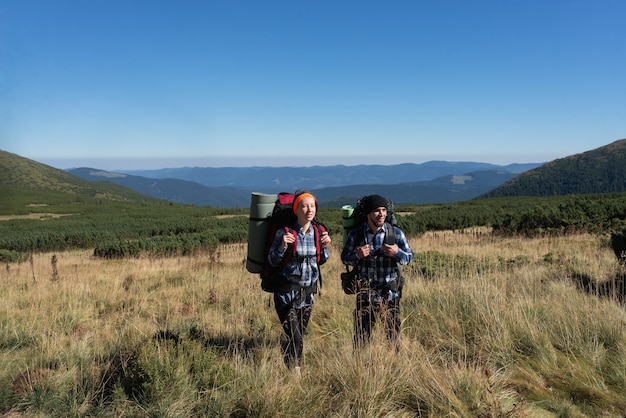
x,y
492,327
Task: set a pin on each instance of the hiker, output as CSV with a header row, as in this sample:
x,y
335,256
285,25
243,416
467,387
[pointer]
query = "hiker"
x,y
378,276
302,271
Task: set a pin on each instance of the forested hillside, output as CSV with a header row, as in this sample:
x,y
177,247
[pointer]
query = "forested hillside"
x,y
602,170
18,175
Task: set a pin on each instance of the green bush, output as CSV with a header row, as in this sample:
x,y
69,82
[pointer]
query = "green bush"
x,y
9,256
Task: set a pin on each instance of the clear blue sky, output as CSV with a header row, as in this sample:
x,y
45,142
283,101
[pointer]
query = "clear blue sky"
x,y
123,84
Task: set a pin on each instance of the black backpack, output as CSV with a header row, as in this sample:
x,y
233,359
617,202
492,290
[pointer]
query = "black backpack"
x,y
283,217
349,279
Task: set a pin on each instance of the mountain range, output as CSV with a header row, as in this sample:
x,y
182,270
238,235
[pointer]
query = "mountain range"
x,y
431,182
275,179
601,170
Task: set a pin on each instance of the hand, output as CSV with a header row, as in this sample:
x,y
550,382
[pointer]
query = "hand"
x,y
288,238
325,239
390,250
363,251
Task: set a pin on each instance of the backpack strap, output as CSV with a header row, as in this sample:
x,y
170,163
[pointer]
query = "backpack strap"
x,y
390,234
390,239
318,229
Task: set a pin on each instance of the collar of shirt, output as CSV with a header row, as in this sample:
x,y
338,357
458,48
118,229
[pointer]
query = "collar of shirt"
x,y
370,232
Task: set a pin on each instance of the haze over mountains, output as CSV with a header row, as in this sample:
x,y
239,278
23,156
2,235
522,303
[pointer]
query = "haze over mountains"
x,y
602,170
431,182
318,177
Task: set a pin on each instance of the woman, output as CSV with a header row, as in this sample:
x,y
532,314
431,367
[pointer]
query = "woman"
x,y
300,250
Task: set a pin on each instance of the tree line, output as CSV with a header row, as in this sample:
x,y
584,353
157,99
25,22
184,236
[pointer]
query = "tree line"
x,y
130,230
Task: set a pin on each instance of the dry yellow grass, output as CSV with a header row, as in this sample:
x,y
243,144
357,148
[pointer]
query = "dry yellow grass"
x,y
33,216
504,333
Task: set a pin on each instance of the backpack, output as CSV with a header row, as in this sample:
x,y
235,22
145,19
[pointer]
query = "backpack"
x,y
350,282
283,218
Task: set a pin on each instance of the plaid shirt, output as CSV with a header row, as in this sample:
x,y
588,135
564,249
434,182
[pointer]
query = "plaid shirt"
x,y
302,269
377,270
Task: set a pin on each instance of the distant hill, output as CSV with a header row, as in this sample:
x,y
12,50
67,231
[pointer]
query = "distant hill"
x,y
275,179
460,183
173,190
601,170
19,173
450,188
430,182
446,189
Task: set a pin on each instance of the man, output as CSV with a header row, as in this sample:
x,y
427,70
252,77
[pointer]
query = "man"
x,y
377,248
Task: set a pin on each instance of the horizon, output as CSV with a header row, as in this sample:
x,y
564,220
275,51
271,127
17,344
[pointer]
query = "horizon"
x,y
146,164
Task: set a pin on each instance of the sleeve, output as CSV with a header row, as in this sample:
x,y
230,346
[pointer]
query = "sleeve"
x,y
405,254
277,251
348,254
324,256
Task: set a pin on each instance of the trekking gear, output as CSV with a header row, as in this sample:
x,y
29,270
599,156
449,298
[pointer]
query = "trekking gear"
x,y
282,216
347,221
261,207
350,280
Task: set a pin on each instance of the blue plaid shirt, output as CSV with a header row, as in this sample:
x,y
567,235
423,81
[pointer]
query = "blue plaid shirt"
x,y
302,269
377,270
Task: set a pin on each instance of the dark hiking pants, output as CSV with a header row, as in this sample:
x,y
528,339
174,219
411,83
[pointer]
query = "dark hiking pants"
x,y
365,315
294,322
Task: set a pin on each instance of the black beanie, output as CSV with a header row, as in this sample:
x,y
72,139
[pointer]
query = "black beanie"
x,y
373,202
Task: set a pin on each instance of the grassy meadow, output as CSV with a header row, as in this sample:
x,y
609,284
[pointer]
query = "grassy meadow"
x,y
492,327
